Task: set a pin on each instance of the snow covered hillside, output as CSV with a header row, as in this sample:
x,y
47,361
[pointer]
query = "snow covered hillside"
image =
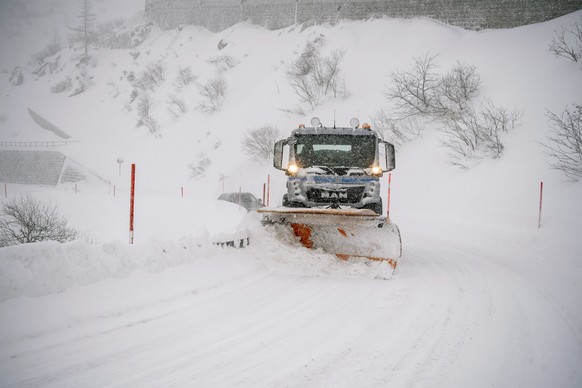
x,y
482,296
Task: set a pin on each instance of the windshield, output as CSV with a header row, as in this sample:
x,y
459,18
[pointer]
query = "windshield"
x,y
335,150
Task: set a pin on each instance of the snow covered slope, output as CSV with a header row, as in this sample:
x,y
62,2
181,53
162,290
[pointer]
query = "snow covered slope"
x,y
482,297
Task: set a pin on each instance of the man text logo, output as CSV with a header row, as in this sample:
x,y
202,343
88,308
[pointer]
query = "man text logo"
x,y
333,194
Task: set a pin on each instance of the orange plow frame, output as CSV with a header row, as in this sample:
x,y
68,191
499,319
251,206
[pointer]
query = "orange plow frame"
x,y
349,231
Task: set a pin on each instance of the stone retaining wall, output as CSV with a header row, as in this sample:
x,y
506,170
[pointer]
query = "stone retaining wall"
x,y
217,15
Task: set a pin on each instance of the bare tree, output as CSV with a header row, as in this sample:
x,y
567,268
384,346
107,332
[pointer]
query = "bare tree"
x,y
397,132
27,220
176,106
223,63
413,92
477,134
185,77
568,43
213,93
144,104
152,77
151,124
199,167
456,90
259,142
565,149
84,32
496,120
313,77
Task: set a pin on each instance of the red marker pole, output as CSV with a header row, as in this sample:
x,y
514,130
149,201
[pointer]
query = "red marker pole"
x,y
388,203
264,191
131,203
540,211
268,190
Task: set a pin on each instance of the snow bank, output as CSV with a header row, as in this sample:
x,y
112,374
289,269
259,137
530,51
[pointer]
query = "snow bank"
x,y
49,267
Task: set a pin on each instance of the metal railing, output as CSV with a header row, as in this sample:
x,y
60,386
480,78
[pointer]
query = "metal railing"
x,y
32,144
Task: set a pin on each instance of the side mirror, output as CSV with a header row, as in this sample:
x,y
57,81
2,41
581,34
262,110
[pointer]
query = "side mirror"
x,y
279,153
387,156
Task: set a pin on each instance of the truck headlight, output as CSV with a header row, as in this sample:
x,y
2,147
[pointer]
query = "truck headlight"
x,y
292,169
376,170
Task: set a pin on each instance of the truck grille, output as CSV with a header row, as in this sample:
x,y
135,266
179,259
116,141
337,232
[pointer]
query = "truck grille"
x,y
349,195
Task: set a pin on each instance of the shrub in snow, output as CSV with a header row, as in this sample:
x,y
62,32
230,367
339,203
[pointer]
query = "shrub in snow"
x,y
176,106
27,220
421,92
84,82
152,77
397,132
313,77
456,89
62,86
114,34
49,66
51,49
477,134
222,44
258,143
144,108
133,95
185,77
413,91
213,94
223,62
144,104
129,75
568,43
565,148
17,76
199,167
113,89
150,123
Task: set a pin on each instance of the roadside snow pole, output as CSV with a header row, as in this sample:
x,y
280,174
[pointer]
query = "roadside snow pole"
x,y
182,191
131,203
264,190
540,211
5,190
268,190
388,202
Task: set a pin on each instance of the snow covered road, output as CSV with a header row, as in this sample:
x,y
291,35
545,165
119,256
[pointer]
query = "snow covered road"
x,y
449,317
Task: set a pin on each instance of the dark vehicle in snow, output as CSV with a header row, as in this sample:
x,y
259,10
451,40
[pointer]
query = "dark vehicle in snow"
x,y
246,200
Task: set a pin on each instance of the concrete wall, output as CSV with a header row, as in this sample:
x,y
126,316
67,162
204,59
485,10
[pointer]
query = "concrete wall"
x,y
217,15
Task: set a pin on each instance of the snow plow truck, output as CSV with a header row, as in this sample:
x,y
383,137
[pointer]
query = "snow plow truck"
x,y
333,199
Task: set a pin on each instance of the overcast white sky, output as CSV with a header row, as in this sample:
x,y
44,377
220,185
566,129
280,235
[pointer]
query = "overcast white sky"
x,y
26,26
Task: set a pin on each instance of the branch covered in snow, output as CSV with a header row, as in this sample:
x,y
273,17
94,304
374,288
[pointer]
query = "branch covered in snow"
x,y
568,43
258,143
313,77
565,148
213,94
27,220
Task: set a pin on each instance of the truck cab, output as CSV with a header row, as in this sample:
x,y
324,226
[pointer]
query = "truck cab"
x,y
334,167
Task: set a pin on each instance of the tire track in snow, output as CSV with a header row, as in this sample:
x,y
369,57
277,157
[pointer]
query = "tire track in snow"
x,y
451,317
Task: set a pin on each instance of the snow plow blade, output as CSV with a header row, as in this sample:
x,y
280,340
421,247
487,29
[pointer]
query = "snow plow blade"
x,y
347,233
